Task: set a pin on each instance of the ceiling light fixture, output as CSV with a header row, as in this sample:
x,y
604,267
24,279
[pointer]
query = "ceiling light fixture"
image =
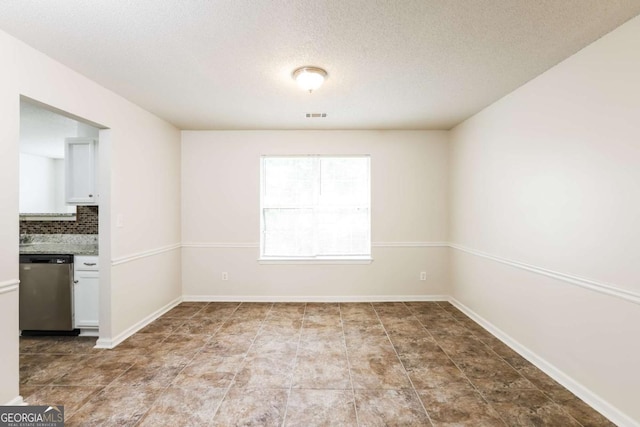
x,y
309,78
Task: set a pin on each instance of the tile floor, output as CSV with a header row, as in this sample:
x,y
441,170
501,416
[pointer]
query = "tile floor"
x,y
228,364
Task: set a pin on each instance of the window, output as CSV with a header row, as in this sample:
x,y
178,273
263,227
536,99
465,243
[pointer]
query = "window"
x,y
315,208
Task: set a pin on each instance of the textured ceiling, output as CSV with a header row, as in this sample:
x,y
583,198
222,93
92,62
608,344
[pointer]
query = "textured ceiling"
x,y
393,64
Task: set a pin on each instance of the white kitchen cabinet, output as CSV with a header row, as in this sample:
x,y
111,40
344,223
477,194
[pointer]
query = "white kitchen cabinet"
x,y
81,177
86,291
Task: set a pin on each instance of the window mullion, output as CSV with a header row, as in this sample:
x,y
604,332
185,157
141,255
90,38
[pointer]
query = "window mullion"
x,y
316,201
263,196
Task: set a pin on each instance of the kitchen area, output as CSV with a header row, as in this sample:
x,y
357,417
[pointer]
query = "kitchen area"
x,y
59,217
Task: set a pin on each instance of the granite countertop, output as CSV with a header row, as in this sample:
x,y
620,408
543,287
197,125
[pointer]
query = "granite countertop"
x,y
59,244
58,249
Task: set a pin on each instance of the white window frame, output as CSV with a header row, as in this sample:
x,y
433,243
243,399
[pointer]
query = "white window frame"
x,y
332,259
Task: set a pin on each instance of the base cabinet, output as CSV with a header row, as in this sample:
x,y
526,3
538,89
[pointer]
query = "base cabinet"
x,y
86,291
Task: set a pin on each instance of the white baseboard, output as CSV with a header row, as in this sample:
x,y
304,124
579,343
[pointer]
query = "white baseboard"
x,y
348,298
111,343
16,401
92,332
593,400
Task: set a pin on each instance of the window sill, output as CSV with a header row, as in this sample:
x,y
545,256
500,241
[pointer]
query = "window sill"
x,y
317,261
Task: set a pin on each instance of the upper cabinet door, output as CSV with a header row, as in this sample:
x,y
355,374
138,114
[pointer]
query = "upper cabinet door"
x,y
81,171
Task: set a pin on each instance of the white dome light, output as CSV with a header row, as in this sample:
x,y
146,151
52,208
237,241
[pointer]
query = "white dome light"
x,y
309,78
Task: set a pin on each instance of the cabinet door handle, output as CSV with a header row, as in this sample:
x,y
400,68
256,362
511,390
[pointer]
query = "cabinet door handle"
x,y
90,195
75,281
89,263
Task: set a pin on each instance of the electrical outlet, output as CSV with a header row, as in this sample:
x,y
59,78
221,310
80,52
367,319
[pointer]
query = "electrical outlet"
x,y
225,275
423,275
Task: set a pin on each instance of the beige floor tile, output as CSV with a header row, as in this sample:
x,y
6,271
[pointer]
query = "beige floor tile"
x,y
322,348
142,343
184,406
285,327
322,309
253,311
252,407
290,310
116,406
310,329
390,408
418,347
579,410
186,343
263,372
199,325
229,345
163,325
431,320
528,408
266,343
217,311
71,397
459,405
492,373
361,328
320,408
46,368
183,311
322,372
364,345
459,349
447,328
145,376
360,318
214,371
435,374
378,373
241,326
584,414
36,344
89,376
244,364
162,358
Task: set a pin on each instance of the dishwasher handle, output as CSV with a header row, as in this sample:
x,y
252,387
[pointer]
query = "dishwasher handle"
x,y
46,259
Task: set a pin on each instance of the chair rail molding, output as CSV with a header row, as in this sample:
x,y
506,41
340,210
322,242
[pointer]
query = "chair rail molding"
x,y
9,286
145,254
603,288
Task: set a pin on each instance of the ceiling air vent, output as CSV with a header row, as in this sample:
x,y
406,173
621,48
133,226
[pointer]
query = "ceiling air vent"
x,y
316,115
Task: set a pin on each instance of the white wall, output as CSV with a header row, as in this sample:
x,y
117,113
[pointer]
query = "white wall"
x,y
142,176
9,161
146,196
549,177
42,185
220,216
38,186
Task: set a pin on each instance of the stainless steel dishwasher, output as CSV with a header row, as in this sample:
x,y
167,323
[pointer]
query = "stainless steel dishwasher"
x,y
46,293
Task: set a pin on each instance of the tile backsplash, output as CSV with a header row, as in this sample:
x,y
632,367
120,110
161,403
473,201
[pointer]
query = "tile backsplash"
x,y
86,223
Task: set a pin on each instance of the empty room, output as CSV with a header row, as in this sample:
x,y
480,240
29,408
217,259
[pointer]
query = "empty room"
x,y
320,213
